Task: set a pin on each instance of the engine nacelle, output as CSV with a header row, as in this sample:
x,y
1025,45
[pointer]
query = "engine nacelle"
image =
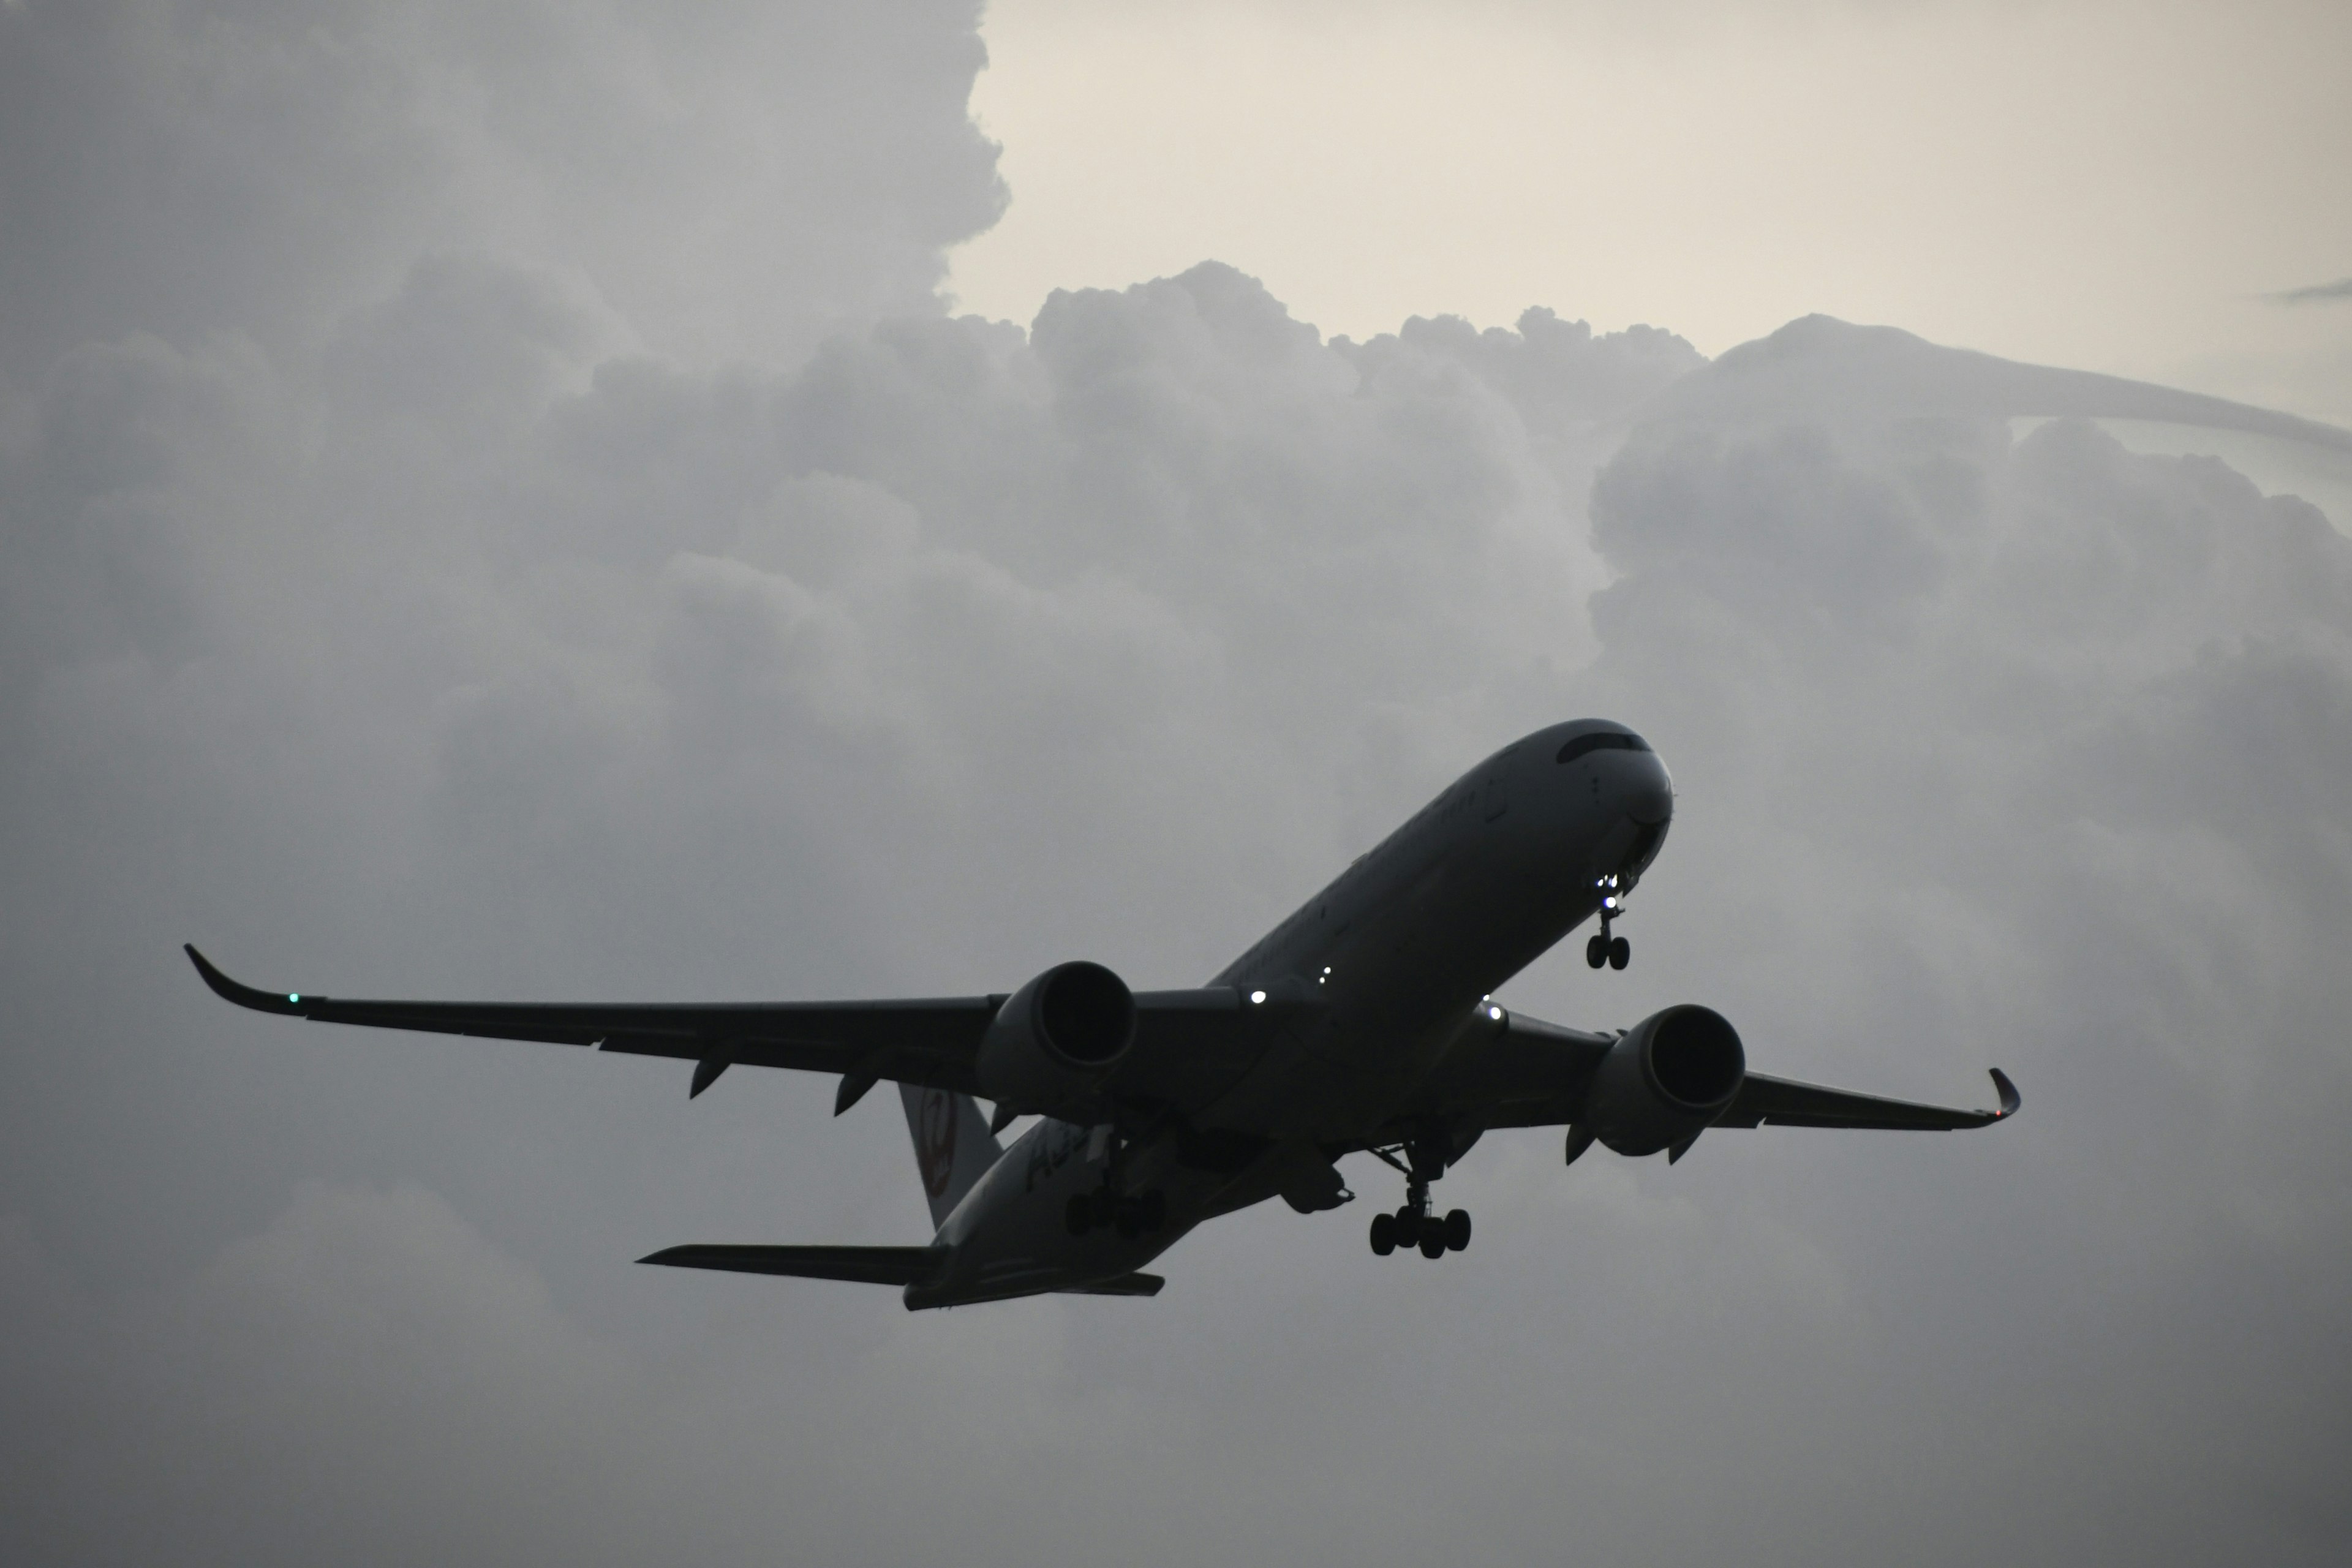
x,y
1664,1080
1056,1039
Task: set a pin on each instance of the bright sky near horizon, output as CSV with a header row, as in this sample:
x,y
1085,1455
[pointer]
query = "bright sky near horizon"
x,y
2110,185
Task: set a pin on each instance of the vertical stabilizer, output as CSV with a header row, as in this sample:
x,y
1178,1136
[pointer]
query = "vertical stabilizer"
x,y
954,1147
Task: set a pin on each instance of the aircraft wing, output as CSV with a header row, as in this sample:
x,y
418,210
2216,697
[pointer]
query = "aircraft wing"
x,y
1527,1073
1781,1102
1188,1045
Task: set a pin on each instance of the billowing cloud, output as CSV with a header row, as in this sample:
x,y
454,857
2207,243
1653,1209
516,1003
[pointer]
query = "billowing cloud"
x,y
485,631
1823,368
727,179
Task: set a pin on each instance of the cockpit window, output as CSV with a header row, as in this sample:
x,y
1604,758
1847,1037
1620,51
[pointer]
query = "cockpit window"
x,y
1602,741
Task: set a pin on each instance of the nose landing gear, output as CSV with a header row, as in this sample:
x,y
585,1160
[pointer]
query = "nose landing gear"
x,y
1414,1224
1613,950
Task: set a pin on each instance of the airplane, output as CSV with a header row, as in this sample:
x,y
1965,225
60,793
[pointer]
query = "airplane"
x,y
1365,1022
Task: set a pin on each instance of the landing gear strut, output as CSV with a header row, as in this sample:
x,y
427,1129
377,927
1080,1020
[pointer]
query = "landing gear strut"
x,y
1414,1224
1613,950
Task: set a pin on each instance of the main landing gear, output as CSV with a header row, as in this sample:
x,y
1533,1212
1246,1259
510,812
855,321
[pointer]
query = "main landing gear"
x,y
1110,1206
1613,950
1414,1224
1130,1214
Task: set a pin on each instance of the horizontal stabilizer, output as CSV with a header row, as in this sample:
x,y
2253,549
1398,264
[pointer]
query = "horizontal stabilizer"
x,y
1125,1285
866,1265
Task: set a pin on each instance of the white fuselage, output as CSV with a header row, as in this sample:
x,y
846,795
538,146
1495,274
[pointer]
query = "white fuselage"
x,y
1397,957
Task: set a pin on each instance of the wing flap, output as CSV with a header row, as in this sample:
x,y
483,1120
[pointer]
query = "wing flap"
x,y
862,1264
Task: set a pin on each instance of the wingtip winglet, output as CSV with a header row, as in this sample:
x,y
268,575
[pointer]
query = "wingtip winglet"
x,y
2009,1098
243,995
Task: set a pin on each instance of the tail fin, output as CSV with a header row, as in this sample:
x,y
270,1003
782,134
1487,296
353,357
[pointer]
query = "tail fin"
x,y
953,1146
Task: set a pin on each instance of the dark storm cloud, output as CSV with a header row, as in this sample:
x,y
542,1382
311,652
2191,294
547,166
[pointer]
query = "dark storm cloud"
x,y
438,615
2314,293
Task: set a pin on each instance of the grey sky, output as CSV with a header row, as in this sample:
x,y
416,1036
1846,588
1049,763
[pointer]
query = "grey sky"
x,y
492,507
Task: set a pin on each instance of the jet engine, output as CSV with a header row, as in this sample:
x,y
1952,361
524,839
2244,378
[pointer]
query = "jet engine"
x,y
1056,1039
1663,1083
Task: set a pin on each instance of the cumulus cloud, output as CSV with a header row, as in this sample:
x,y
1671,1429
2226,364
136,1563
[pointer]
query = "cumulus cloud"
x,y
431,607
1830,369
729,179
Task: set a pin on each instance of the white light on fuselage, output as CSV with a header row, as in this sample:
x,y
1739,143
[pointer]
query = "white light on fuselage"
x,y
1258,996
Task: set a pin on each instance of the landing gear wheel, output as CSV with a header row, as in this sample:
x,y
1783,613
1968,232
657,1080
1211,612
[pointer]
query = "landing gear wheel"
x,y
1078,1216
1432,1236
1596,951
1457,1230
1383,1234
1620,953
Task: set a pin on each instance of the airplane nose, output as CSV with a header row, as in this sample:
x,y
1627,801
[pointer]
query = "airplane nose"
x,y
1650,801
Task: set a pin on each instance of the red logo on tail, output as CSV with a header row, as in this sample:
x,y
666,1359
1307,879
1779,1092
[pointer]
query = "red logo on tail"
x,y
935,1140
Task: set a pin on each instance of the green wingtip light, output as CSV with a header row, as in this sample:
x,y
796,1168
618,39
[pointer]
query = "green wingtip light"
x,y
295,997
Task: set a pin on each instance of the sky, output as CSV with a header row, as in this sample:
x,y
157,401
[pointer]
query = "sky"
x,y
769,500
2122,186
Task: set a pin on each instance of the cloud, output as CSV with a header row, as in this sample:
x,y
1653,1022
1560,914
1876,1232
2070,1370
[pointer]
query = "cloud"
x,y
1820,367
727,181
957,649
430,610
2314,294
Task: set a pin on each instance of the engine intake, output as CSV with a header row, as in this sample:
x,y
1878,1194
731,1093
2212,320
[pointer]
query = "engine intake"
x,y
1664,1081
1056,1039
